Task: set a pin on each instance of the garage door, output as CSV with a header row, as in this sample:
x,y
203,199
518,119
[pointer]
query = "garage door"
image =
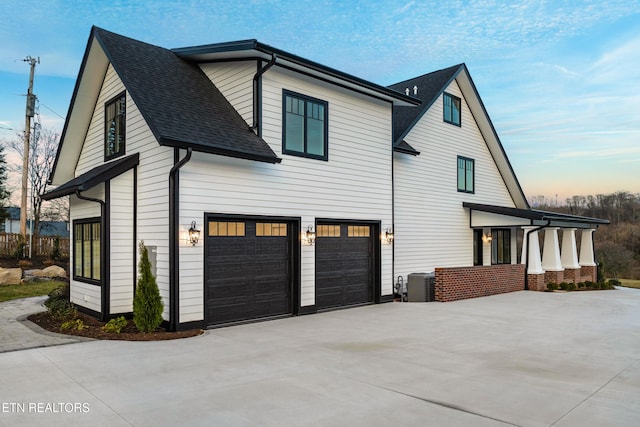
x,y
344,265
248,270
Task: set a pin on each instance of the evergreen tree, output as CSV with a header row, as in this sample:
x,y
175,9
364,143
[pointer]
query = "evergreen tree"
x,y
147,303
4,193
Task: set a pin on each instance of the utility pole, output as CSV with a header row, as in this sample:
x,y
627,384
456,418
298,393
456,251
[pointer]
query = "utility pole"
x,y
30,112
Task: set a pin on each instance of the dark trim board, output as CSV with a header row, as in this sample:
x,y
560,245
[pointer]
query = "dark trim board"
x,y
386,298
85,310
294,248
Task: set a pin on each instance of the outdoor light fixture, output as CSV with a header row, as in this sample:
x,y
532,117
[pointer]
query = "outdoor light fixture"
x,y
488,237
388,236
194,234
310,235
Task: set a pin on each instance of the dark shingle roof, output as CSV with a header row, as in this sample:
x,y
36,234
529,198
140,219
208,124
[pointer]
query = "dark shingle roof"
x,y
93,177
182,107
430,86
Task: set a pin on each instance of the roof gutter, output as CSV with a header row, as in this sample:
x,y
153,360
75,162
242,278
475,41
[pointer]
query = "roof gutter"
x,y
174,252
256,93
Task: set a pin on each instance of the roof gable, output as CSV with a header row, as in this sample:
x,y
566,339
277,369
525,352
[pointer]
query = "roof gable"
x,y
430,87
181,106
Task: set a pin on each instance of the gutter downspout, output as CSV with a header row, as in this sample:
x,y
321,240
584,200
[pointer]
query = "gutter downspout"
x,y
526,265
104,295
256,94
174,252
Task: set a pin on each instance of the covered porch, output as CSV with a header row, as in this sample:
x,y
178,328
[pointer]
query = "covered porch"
x,y
559,258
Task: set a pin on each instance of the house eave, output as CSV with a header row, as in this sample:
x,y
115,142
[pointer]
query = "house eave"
x,y
252,49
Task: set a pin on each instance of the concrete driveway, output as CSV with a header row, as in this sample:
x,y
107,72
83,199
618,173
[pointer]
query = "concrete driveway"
x,y
525,359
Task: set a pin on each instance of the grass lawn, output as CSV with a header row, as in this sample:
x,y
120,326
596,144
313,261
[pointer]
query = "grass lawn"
x,y
629,283
9,292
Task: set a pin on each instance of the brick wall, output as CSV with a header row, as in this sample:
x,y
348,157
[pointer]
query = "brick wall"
x,y
554,277
572,275
536,282
588,273
471,282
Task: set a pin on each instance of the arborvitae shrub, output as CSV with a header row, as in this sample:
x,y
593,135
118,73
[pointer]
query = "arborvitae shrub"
x,y
147,303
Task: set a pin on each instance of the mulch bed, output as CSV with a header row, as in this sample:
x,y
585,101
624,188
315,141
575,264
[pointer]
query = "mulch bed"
x,y
128,333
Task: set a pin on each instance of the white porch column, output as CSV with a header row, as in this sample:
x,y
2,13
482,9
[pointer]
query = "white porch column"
x,y
569,250
551,253
532,252
586,248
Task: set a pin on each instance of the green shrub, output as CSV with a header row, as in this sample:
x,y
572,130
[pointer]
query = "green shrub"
x,y
115,325
589,285
74,324
58,304
614,282
147,303
571,286
550,286
60,308
564,286
580,285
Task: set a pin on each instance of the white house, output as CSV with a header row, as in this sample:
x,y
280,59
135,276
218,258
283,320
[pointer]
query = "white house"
x,y
458,205
295,176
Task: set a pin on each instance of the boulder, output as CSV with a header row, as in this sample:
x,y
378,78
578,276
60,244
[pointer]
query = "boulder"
x,y
10,276
54,271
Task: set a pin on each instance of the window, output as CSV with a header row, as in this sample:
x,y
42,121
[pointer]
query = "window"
x,y
114,118
86,250
465,174
477,246
226,229
501,246
304,130
451,109
328,231
271,229
358,231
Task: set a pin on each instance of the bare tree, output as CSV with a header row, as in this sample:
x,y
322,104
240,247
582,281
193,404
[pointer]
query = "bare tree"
x,y
43,147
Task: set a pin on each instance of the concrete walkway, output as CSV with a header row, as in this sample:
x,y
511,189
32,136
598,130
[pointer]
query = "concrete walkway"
x,y
18,333
518,359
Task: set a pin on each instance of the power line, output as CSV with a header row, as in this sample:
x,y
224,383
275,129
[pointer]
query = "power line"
x,y
48,108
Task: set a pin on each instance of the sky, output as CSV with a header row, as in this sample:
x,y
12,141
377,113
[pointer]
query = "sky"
x,y
560,79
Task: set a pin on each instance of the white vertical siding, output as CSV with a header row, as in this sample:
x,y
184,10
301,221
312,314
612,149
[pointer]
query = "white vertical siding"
x,y
235,81
355,183
123,259
432,227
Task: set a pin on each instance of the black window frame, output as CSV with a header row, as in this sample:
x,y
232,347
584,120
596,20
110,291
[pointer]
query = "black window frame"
x,y
120,118
307,100
478,255
79,225
453,102
500,246
467,161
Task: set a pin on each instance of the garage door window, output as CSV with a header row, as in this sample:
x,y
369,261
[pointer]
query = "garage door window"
x,y
223,228
271,229
359,231
328,231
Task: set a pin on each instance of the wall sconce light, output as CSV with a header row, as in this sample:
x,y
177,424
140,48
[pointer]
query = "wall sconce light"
x,y
194,234
388,236
488,237
310,235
